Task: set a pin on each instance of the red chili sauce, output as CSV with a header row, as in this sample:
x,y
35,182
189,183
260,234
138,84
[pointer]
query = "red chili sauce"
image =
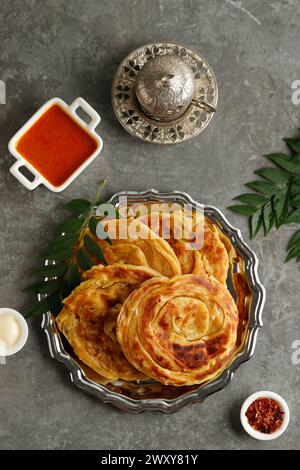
x,y
265,415
56,145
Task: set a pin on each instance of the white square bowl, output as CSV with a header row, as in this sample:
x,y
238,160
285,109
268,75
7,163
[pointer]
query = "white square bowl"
x,y
71,111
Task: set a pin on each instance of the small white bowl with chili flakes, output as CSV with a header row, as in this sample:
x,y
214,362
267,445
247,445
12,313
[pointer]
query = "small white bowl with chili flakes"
x,y
265,415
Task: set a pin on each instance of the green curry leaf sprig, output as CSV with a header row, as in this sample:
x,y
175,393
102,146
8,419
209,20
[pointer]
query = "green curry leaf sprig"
x,y
69,254
275,200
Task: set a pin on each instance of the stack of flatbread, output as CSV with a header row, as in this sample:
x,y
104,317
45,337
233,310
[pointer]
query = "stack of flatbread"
x,y
160,309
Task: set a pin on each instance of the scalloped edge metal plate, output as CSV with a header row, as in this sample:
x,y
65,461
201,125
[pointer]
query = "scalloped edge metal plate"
x,y
77,375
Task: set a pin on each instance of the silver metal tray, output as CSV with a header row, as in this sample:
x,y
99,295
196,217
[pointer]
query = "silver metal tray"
x,y
244,285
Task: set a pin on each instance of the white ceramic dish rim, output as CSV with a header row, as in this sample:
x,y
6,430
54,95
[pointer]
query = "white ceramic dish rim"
x,y
24,330
259,435
88,127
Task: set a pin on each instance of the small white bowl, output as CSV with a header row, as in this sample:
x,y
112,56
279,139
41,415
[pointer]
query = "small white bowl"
x,y
23,327
71,110
257,434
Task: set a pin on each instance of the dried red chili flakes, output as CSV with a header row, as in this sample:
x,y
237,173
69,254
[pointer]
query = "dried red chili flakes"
x,y
265,415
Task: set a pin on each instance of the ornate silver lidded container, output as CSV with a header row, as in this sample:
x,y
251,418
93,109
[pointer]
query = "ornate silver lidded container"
x,y
164,93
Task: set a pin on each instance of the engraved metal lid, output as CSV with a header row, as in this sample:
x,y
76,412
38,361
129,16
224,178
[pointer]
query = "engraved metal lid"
x,y
165,86
164,93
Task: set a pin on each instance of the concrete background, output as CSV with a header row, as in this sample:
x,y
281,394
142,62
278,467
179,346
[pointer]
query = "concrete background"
x,y
72,48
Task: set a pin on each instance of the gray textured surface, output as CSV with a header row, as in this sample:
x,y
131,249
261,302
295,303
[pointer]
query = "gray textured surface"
x,y
72,48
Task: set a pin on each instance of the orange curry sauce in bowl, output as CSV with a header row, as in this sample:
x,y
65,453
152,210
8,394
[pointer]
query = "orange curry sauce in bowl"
x,y
55,144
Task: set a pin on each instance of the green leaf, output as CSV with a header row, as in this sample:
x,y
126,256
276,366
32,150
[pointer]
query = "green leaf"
x,y
274,175
252,199
102,234
296,180
64,243
93,225
286,208
255,221
56,304
263,187
77,206
60,255
83,260
296,159
280,204
295,186
118,215
268,217
65,290
51,303
53,270
46,287
94,249
293,217
49,287
108,240
71,226
72,276
295,201
96,227
293,253
295,240
243,210
294,144
284,161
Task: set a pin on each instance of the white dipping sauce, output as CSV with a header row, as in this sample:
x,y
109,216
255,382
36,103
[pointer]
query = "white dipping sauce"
x,y
13,332
10,330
